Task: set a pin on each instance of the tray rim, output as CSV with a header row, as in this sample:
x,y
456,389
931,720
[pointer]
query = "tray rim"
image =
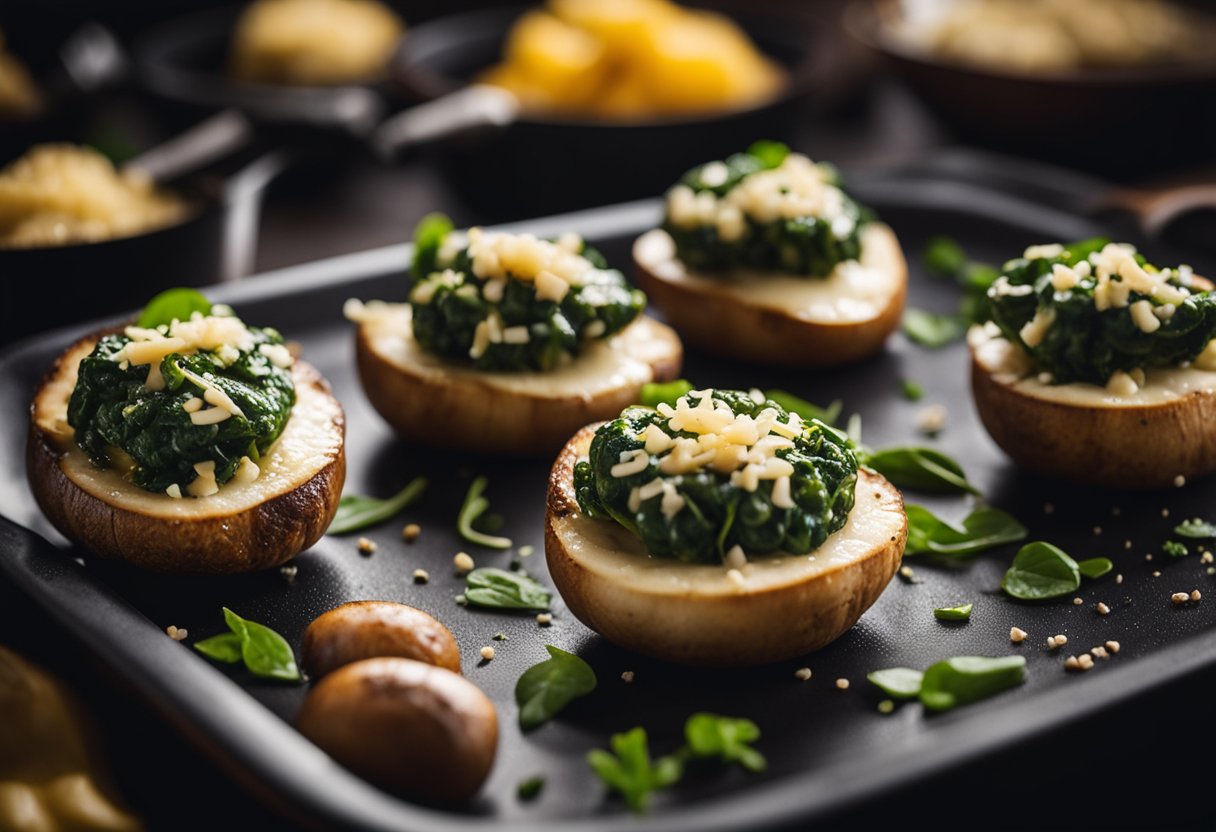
x,y
283,768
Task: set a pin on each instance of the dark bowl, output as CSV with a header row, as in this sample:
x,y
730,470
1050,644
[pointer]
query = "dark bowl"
x,y
1117,121
542,164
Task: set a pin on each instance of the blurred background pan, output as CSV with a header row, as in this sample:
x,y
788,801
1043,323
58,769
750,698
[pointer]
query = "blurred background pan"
x,y
513,163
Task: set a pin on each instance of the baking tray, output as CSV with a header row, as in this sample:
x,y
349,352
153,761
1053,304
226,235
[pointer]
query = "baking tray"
x,y
826,747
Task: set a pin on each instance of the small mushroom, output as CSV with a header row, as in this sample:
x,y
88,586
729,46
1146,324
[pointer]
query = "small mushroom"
x,y
416,730
371,629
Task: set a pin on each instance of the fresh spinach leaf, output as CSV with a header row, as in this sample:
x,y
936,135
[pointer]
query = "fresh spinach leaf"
x,y
356,512
173,305
931,329
500,589
724,738
429,234
628,769
530,788
226,647
912,391
1175,549
794,404
918,469
945,256
984,528
1040,571
959,613
655,393
897,682
264,652
1095,567
474,506
546,688
1196,529
964,679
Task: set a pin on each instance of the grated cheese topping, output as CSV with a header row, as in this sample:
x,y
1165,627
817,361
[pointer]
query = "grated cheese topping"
x,y
796,188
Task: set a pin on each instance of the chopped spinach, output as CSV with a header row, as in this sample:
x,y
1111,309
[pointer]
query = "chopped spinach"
x,y
1040,571
450,302
111,407
931,329
946,257
725,739
173,305
918,469
529,789
965,679
1095,567
959,613
546,688
500,589
984,528
1196,529
356,512
1089,338
718,514
912,391
897,682
655,393
1175,549
806,245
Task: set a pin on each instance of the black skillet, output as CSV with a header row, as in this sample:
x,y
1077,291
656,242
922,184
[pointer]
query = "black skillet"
x,y
509,163
54,285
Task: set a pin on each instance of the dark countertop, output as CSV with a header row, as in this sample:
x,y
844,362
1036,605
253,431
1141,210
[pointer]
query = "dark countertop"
x,y
1130,767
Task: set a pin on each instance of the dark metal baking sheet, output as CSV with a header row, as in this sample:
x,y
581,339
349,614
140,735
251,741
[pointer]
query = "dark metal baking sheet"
x,y
826,747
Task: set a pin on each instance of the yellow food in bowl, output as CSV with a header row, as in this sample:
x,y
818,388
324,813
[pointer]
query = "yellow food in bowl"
x,y
18,93
314,42
631,60
62,194
1052,35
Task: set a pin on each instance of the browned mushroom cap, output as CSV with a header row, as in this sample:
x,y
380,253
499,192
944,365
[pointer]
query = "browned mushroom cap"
x,y
776,607
781,319
1087,434
244,527
443,404
371,629
413,729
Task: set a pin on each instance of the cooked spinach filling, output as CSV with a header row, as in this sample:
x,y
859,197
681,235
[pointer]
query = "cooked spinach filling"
x,y
716,514
1085,343
112,408
450,302
806,245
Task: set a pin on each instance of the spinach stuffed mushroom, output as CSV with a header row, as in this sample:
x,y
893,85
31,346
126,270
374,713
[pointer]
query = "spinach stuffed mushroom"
x,y
195,445
534,337
1099,367
764,256
720,531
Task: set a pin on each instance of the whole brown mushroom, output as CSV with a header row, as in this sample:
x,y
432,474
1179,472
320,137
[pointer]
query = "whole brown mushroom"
x,y
372,629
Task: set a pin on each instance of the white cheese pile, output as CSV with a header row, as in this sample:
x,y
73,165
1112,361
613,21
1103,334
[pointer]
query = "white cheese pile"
x,y
725,442
797,188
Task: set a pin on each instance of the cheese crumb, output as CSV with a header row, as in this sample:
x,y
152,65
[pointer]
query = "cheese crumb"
x,y
544,619
421,576
410,532
1112,646
1102,608
463,562
366,545
176,633
627,677
802,674
487,653
1017,635
1180,597
842,684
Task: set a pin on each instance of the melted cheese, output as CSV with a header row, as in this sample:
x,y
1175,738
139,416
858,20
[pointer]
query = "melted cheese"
x,y
854,292
1009,365
603,365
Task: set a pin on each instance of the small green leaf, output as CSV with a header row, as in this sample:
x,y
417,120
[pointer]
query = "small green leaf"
x,y
1196,529
628,769
771,154
500,589
793,404
984,528
1175,549
529,789
912,391
897,682
1095,567
173,305
1040,571
655,393
356,512
226,647
724,738
959,613
265,652
933,330
546,688
474,506
945,256
919,469
965,679
429,234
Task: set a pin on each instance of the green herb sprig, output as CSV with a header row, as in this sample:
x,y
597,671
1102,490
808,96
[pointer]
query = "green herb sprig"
x,y
475,505
264,652
356,512
1196,529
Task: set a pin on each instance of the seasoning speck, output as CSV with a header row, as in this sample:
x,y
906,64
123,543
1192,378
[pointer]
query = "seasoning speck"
x,y
1206,557
1056,641
544,619
1071,663
842,684
1112,646
802,674
526,551
1097,530
1156,574
1048,508
1099,653
1119,578
1180,597
1165,512
463,562
886,706
627,677
1127,544
175,633
1179,481
1017,635
366,545
932,420
289,572
906,573
1076,602
1102,608
421,576
410,532
487,653
1086,661
1195,595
